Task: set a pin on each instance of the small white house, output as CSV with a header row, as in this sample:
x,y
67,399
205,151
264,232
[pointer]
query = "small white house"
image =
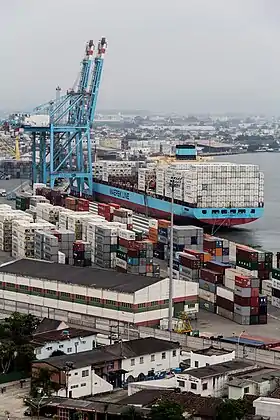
x,y
67,341
211,380
84,381
267,407
210,356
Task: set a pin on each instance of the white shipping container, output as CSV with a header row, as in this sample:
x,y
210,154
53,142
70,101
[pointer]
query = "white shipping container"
x,y
275,302
266,285
208,296
276,284
127,234
153,223
121,263
225,293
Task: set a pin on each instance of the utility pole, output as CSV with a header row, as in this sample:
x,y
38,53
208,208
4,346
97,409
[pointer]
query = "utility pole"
x,y
175,182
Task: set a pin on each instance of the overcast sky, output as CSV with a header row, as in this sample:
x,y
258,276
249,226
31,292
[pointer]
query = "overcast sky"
x,y
163,55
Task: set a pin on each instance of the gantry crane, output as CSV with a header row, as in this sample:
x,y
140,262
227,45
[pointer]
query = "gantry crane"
x,y
61,142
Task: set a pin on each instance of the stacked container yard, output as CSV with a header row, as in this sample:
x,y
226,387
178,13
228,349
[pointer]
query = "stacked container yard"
x,y
123,216
82,254
161,250
187,236
48,212
23,233
186,267
217,247
45,246
104,210
266,289
23,201
135,257
257,263
76,223
275,290
105,245
153,230
35,199
54,245
7,215
207,292
103,169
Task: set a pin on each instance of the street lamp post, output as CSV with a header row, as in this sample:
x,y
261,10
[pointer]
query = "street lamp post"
x,y
174,182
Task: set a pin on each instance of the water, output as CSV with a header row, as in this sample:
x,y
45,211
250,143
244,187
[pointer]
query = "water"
x,y
264,232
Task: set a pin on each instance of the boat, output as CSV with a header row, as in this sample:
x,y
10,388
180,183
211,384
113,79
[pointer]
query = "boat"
x,y
209,193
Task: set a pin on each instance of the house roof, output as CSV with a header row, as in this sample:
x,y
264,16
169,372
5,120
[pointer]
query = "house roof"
x,y
192,403
47,324
61,335
218,369
126,349
259,375
82,276
212,351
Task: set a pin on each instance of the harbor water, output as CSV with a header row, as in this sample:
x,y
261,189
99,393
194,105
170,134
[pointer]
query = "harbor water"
x,y
264,232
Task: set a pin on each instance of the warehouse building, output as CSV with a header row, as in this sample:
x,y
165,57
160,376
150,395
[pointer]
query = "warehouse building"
x,y
63,292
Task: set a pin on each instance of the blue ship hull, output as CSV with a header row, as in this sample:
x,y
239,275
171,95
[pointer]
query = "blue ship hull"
x,y
160,208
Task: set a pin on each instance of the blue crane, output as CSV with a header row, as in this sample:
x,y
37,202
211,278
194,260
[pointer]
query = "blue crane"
x,y
63,139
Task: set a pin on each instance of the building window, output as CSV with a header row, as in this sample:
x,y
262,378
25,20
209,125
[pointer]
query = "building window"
x,y
174,353
196,364
77,343
84,384
181,384
193,385
163,355
191,305
141,360
207,364
49,348
61,346
69,350
111,365
153,357
204,386
132,362
85,373
76,373
74,386
246,390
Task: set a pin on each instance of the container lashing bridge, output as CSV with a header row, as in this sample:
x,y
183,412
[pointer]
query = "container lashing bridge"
x,y
60,144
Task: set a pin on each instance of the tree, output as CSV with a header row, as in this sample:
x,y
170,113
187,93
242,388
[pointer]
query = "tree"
x,y
131,414
7,355
25,355
43,379
57,353
167,410
232,410
19,327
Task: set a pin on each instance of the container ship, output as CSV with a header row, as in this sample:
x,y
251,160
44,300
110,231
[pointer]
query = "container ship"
x,y
205,192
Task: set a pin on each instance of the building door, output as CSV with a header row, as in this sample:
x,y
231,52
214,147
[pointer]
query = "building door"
x,y
70,394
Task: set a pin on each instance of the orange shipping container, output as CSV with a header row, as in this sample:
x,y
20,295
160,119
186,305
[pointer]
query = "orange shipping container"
x,y
162,223
219,252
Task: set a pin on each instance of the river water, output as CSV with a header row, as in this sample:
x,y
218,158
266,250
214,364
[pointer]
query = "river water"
x,y
264,232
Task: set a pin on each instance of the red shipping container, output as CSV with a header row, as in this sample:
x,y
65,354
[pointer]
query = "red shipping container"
x,y
255,292
263,274
243,281
225,303
254,301
254,311
115,206
262,319
189,261
243,301
211,276
78,246
212,265
126,243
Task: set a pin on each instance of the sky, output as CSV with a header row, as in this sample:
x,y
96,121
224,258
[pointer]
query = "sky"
x,y
184,56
